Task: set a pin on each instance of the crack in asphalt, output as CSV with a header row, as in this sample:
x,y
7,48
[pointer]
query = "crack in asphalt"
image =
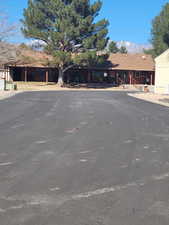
x,y
43,200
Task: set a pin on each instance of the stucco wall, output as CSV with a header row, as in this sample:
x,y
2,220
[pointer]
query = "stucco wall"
x,y
2,74
2,84
5,74
162,74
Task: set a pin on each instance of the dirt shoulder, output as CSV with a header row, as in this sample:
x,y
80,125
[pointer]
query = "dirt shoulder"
x,y
151,97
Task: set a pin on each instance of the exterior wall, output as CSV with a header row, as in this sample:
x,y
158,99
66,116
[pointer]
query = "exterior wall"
x,y
133,77
162,80
2,74
2,84
143,77
5,74
162,74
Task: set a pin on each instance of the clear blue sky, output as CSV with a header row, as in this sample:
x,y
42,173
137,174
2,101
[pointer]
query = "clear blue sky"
x,y
130,20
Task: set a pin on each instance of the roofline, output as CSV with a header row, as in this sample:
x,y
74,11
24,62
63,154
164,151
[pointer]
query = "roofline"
x,y
162,54
87,68
40,67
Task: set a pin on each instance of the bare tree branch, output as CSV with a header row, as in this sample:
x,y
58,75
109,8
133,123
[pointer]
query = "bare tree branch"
x,y
9,53
6,29
69,67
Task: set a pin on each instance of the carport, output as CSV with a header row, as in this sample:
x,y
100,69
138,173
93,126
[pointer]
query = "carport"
x,y
39,74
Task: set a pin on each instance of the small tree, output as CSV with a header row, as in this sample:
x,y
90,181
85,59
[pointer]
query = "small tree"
x,y
68,29
113,47
123,50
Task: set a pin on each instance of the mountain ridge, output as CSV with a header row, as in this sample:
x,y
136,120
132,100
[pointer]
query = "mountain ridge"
x,y
134,47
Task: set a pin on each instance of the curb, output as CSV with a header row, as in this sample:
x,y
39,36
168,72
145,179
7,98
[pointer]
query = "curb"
x,y
149,100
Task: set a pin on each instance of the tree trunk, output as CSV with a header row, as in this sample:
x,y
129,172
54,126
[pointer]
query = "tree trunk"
x,y
60,78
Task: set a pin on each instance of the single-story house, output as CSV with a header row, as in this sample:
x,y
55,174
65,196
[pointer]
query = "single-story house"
x,y
131,69
162,73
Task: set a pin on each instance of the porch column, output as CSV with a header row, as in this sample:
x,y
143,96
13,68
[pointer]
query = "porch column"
x,y
8,74
130,78
47,76
88,76
26,74
5,74
117,78
151,79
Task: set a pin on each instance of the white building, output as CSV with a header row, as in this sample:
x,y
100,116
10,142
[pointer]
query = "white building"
x,y
162,73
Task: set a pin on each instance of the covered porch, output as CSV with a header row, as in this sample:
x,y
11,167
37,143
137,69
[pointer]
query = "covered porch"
x,y
83,75
33,74
114,77
128,77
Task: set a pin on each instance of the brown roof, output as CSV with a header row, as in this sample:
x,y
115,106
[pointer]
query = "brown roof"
x,y
141,62
31,58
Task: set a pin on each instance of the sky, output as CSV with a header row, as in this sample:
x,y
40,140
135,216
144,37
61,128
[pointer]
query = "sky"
x,y
130,20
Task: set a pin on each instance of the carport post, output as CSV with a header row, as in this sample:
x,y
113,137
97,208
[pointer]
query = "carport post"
x,y
130,78
47,76
151,79
26,73
89,77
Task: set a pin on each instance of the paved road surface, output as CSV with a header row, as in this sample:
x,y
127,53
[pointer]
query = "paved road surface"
x,y
83,158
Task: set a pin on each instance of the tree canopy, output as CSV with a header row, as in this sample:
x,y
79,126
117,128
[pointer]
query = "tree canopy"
x,y
160,31
113,48
69,30
123,50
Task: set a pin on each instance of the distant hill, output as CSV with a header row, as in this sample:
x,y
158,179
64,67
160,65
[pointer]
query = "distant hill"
x,y
133,47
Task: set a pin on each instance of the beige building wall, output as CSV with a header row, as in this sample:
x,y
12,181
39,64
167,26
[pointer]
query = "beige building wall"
x,y
2,73
162,73
5,74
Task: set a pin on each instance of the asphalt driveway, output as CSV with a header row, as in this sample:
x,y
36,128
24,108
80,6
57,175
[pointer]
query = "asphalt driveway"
x,y
83,158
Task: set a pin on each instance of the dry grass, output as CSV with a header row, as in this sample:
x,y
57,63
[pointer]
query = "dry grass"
x,y
42,86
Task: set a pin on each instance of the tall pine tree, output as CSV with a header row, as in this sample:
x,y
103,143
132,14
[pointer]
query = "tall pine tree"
x,y
69,29
160,31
